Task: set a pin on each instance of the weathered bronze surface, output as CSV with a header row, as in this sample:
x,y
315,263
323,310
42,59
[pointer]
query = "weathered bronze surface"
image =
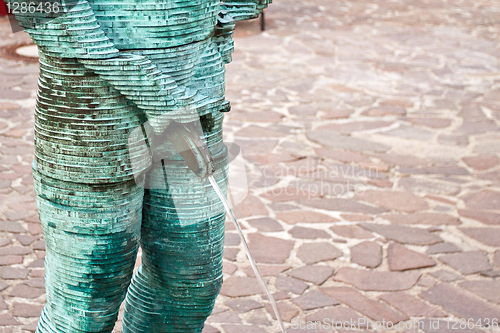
x,y
105,70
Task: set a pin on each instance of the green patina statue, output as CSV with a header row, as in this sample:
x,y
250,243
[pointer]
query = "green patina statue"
x,y
115,76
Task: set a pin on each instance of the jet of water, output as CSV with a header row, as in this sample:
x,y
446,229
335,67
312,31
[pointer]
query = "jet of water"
x,y
249,254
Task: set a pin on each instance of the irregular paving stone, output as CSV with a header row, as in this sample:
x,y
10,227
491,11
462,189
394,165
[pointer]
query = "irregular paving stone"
x,y
243,305
13,94
430,122
35,229
240,286
282,294
341,316
489,289
281,207
271,158
411,306
263,116
396,200
355,126
410,132
343,205
422,218
316,274
230,254
488,236
344,156
403,234
401,258
381,183
6,106
3,285
251,206
10,260
467,262
37,263
474,127
258,317
307,233
385,111
375,280
368,254
265,224
27,310
14,250
7,320
491,273
435,170
453,140
445,275
426,281
334,140
242,329
257,146
228,268
401,160
231,239
294,217
5,241
224,317
258,131
493,176
37,273
482,162
485,217
14,273
287,311
442,248
351,231
270,250
311,253
496,259
366,306
267,270
313,300
303,110
3,305
25,291
209,329
218,309
36,282
9,226
460,303
483,200
290,193
290,284
336,114
25,239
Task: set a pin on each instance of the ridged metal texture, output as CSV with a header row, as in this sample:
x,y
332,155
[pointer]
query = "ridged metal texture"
x,y
105,69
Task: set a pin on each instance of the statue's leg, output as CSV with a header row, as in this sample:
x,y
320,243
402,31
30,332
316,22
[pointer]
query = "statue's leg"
x,y
90,252
182,238
89,205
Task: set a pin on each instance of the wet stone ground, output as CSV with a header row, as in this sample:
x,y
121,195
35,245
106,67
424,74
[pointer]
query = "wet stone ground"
x,y
370,131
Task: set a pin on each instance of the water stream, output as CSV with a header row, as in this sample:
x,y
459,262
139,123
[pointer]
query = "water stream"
x,y
249,254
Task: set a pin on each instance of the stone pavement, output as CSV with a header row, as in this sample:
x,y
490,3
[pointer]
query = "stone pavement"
x,y
370,130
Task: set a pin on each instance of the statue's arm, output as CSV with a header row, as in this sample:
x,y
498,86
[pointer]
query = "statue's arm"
x,y
244,9
77,34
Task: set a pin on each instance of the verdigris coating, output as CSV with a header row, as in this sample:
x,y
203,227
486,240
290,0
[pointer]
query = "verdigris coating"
x,y
107,68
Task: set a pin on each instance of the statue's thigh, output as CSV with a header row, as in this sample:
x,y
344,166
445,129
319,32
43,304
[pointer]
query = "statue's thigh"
x,y
182,232
92,235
